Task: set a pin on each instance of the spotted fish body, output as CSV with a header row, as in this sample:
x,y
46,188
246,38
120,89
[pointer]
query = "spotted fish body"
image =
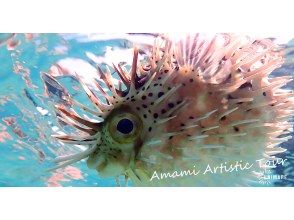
x,y
191,102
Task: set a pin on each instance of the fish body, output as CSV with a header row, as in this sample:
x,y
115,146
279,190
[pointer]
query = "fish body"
x,y
191,103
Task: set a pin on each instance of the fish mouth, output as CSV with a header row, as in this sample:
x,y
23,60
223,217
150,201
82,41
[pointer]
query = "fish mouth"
x,y
111,161
109,165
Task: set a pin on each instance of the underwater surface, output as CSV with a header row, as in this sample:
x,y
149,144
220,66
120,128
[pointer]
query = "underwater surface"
x,y
27,119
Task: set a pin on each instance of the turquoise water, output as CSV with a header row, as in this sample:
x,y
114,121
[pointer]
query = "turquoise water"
x,y
26,120
25,153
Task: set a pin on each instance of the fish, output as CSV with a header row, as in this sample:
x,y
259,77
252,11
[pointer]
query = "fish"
x,y
194,101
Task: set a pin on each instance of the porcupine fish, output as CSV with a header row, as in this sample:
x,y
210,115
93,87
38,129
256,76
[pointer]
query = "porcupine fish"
x,y
191,102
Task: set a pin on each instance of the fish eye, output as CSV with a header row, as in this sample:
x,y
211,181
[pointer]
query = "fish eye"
x,y
124,126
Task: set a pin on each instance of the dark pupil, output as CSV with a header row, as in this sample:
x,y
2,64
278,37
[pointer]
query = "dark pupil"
x,y
125,126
